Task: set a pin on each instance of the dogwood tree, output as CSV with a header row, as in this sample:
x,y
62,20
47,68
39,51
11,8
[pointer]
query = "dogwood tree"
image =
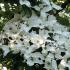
x,y
34,36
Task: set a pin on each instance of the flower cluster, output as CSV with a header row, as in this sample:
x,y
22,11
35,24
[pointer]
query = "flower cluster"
x,y
42,40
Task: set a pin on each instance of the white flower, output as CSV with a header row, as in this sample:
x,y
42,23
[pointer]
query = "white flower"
x,y
54,65
5,49
4,68
37,55
25,2
56,6
37,8
52,19
34,21
47,2
30,63
43,15
63,63
35,58
67,54
11,27
46,9
38,40
24,28
52,49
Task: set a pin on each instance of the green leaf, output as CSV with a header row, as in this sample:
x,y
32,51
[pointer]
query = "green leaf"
x,y
63,21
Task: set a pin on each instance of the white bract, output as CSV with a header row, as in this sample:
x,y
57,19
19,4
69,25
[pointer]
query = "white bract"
x,y
4,68
25,2
56,6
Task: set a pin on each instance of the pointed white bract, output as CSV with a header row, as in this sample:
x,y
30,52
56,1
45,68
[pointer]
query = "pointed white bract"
x,y
25,2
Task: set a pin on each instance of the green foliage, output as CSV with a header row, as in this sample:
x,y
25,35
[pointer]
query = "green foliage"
x,y
63,20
